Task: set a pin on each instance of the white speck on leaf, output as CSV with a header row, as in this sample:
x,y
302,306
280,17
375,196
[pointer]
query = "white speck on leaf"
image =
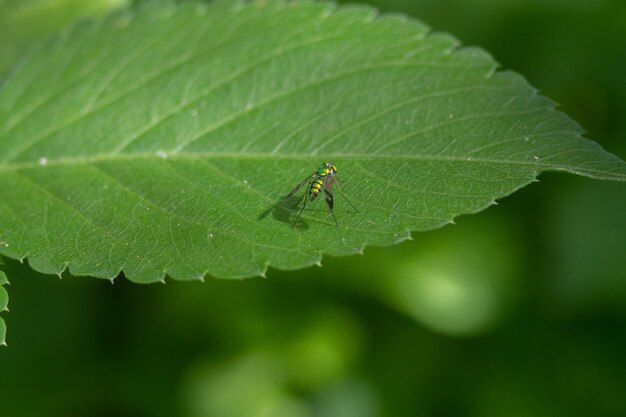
x,y
42,161
162,154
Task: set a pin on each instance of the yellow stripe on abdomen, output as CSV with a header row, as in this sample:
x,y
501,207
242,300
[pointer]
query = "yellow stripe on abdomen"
x,y
316,187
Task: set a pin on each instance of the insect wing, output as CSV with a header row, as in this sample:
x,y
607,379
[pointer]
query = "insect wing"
x,y
329,198
295,190
330,202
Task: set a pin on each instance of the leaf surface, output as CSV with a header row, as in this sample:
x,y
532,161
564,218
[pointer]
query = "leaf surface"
x,y
4,300
4,303
23,22
3,332
161,140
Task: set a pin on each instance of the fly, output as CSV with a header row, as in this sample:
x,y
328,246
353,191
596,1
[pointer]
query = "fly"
x,y
322,180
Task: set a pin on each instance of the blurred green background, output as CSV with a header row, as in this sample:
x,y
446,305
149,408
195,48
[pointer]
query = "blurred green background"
x,y
517,311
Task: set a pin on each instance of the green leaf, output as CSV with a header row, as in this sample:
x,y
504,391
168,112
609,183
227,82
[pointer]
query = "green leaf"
x,y
4,300
161,140
3,332
23,22
4,303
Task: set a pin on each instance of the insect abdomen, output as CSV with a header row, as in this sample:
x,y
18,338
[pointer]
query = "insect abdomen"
x,y
316,187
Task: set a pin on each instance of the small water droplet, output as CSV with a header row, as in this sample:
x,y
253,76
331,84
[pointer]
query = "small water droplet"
x,y
162,154
536,158
245,181
469,158
210,234
42,161
194,113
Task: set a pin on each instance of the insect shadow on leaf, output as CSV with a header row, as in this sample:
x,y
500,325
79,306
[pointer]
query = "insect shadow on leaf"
x,y
283,211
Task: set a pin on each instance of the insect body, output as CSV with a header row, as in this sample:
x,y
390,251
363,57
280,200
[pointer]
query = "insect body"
x,y
321,180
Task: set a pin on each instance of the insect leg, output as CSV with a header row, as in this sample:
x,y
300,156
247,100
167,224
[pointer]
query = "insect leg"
x,y
300,199
308,190
336,179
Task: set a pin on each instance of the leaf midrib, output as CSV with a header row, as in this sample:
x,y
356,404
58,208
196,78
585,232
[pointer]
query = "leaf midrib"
x,y
298,156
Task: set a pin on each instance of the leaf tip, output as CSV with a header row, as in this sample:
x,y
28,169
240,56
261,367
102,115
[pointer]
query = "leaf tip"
x,y
263,272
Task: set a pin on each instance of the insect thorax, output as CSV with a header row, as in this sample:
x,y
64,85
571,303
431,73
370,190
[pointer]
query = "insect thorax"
x,y
327,168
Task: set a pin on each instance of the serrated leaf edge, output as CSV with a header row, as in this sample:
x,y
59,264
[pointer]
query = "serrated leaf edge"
x,y
369,15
